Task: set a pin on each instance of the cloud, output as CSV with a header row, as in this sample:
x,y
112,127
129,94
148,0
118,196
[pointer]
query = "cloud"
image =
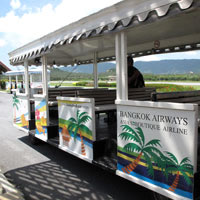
x,y
191,53
2,43
32,24
15,4
148,58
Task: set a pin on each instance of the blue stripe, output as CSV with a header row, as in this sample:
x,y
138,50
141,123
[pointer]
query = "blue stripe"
x,y
41,104
162,185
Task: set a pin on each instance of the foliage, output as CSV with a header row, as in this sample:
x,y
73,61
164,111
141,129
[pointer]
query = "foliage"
x,y
174,166
170,87
3,84
57,74
78,123
80,83
171,77
15,101
90,84
149,150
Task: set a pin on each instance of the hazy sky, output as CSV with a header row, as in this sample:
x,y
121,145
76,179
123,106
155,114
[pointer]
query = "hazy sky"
x,y
22,21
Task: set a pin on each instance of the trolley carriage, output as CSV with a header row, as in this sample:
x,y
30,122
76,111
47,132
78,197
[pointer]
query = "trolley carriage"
x,y
148,138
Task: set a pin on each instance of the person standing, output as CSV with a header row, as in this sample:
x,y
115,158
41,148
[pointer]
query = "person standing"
x,y
135,78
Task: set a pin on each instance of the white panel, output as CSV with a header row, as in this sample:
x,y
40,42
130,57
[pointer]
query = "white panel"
x,y
157,146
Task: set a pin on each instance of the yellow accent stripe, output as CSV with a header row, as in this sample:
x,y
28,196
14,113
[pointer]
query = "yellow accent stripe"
x,y
70,102
144,164
42,109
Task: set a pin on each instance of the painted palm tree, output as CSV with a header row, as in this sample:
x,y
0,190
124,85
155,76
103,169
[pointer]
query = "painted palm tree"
x,y
149,150
184,167
77,125
15,105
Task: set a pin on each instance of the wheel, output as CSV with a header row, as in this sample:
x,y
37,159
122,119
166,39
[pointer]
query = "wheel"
x,y
33,139
157,196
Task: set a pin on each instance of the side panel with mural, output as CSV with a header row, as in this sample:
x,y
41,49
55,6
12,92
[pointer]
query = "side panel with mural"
x,y
157,148
76,126
41,119
20,111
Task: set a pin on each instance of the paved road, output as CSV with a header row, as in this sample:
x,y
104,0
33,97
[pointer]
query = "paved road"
x,y
43,172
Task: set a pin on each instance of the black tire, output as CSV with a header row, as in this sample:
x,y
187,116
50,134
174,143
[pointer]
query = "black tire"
x,y
157,196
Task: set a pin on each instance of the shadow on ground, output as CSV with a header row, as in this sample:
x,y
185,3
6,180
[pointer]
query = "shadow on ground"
x,y
67,177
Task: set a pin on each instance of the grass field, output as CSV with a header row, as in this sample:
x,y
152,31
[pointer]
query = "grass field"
x,y
171,87
159,87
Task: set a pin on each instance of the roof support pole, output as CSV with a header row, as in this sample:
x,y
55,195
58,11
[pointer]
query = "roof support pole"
x,y
121,65
45,84
10,82
118,65
124,66
44,76
26,74
16,78
23,81
95,70
27,90
31,78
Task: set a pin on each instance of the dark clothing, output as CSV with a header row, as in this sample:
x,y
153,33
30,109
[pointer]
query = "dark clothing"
x,y
138,81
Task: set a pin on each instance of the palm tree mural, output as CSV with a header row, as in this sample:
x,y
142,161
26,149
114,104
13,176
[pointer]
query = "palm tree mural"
x,y
15,105
174,166
77,125
149,150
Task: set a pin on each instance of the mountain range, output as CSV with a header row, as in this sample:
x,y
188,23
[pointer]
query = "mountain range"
x,y
152,67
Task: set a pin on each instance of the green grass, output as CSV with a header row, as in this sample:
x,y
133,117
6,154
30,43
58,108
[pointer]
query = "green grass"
x,y
196,87
171,87
159,87
63,84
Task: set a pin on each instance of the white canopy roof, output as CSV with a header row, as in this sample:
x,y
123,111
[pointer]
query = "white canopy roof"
x,y
173,24
21,72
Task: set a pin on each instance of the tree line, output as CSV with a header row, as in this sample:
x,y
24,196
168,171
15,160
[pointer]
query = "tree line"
x,y
57,74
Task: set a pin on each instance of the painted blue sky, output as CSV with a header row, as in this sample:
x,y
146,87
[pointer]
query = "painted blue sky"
x,y
22,21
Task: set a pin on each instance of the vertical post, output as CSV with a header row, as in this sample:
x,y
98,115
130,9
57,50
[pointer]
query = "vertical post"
x,y
45,84
118,66
26,74
95,71
31,79
121,65
16,78
27,90
10,82
44,76
124,71
23,80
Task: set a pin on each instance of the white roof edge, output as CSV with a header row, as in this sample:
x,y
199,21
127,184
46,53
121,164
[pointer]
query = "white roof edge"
x,y
96,22
21,72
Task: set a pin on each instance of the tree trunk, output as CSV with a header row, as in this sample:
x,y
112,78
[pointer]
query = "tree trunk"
x,y
82,144
129,168
15,115
175,183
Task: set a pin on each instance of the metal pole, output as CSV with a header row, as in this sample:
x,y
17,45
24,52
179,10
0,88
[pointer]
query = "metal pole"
x,y
27,90
124,71
10,82
118,66
44,76
45,84
26,74
95,71
16,81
